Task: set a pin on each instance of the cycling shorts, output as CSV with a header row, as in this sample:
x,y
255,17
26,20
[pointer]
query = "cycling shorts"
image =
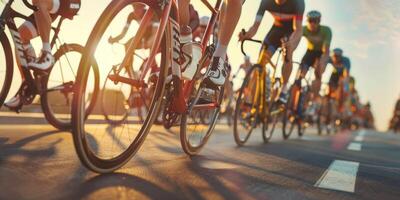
x,y
273,39
59,6
310,58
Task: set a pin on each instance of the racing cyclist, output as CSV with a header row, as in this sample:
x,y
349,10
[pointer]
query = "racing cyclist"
x,y
319,38
288,17
339,80
39,24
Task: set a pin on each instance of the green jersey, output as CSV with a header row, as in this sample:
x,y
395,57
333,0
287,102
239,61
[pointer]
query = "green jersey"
x,y
316,40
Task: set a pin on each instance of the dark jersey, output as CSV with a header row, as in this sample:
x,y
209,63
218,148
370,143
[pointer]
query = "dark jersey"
x,y
283,14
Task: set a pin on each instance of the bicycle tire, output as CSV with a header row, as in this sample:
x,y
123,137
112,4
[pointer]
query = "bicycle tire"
x,y
85,154
187,147
9,69
236,134
50,116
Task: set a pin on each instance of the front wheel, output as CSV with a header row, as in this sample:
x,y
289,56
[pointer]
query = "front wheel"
x,y
103,147
6,67
56,101
247,105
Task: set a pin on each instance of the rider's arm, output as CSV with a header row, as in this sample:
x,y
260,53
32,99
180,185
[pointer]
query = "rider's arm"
x,y
124,30
295,38
326,49
254,28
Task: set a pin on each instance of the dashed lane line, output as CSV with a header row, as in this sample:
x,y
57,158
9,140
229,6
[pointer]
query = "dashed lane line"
x,y
340,176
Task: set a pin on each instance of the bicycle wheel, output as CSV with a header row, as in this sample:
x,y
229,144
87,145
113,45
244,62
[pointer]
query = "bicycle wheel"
x,y
56,101
6,67
102,147
247,105
198,125
288,119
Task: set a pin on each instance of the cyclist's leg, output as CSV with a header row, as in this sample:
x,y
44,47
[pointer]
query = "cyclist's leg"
x,y
230,15
43,21
319,71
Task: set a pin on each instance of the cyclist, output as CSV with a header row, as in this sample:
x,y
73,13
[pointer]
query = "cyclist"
x,y
288,15
319,38
39,24
339,80
229,17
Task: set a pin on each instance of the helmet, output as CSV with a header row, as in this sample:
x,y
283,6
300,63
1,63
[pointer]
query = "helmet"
x,y
204,20
338,52
247,58
314,15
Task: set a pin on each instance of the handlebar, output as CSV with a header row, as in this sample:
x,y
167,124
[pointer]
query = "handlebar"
x,y
249,39
30,6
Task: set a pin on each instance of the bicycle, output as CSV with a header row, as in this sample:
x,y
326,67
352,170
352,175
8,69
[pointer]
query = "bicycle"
x,y
55,87
256,102
294,114
106,158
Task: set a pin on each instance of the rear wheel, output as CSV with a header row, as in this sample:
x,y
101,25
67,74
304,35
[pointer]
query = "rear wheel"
x,y
56,101
247,104
6,67
103,147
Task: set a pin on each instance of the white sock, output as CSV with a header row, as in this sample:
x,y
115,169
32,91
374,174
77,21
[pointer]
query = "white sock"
x,y
186,38
46,47
220,51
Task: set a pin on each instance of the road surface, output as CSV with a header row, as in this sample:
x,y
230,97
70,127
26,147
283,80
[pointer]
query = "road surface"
x,y
39,162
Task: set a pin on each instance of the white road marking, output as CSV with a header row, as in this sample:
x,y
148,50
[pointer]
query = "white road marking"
x,y
359,138
341,176
354,146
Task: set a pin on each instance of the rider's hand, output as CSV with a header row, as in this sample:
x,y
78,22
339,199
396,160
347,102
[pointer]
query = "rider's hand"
x,y
247,35
111,40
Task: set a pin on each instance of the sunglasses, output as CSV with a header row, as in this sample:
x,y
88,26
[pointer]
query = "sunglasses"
x,y
313,21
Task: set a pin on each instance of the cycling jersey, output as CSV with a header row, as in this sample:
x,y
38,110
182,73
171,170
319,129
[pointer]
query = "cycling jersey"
x,y
344,64
316,40
339,71
283,14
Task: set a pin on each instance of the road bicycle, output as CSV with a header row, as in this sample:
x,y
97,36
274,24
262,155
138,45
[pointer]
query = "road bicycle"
x,y
257,101
104,148
54,87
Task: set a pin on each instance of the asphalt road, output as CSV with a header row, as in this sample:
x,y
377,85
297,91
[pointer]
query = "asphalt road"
x,y
38,162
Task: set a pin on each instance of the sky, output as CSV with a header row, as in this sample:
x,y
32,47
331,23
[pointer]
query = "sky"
x,y
367,30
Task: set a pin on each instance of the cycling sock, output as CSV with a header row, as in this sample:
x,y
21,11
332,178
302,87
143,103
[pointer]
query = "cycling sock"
x,y
186,38
220,51
46,47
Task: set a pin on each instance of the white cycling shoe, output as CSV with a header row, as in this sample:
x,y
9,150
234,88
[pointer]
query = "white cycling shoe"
x,y
217,73
14,102
44,62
